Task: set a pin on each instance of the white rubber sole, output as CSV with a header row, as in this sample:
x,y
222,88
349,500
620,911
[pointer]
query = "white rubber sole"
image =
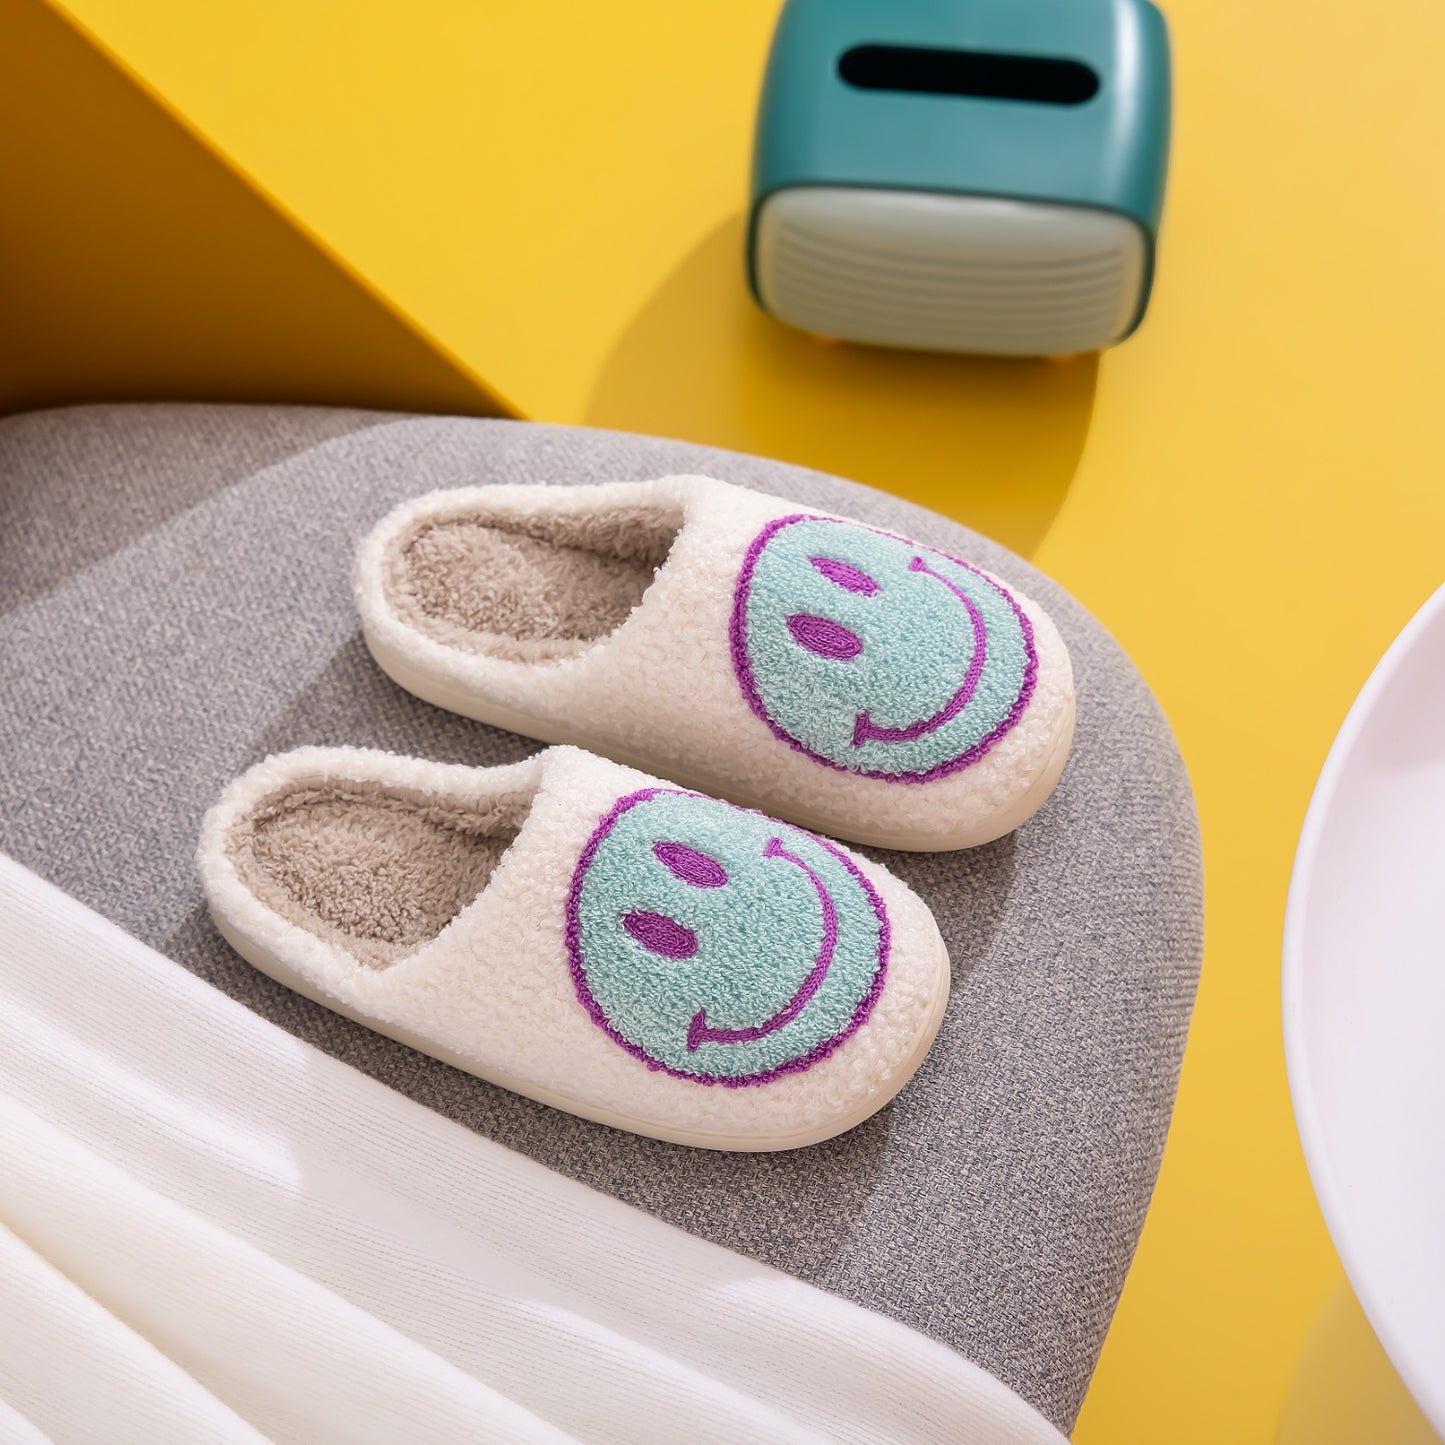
x,y
262,958
406,674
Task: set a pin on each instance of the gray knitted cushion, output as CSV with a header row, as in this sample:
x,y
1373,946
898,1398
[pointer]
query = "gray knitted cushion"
x,y
174,604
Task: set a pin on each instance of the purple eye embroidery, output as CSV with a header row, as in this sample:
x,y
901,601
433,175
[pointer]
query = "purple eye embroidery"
x,y
689,865
656,931
667,937
660,934
845,575
824,637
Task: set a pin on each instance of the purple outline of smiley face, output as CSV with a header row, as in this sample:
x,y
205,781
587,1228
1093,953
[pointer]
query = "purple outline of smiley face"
x,y
812,1008
811,711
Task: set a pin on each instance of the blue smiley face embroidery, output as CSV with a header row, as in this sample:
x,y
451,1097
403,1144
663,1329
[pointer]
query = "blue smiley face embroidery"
x,y
875,655
718,945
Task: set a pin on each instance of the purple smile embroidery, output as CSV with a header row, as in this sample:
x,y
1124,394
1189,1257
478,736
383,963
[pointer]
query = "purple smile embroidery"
x,y
699,1031
864,729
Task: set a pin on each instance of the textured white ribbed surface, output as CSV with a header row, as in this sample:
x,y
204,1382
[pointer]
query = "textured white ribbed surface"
x,y
218,1233
948,273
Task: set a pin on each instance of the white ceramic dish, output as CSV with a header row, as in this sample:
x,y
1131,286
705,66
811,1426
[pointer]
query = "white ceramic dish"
x,y
1364,1001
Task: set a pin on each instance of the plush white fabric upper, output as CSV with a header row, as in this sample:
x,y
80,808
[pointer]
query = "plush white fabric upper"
x,y
662,687
495,987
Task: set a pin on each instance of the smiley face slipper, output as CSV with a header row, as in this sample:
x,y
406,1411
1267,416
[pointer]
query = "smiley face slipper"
x,y
591,937
844,678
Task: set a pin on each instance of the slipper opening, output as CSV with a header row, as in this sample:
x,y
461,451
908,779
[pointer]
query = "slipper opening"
x,y
378,870
536,588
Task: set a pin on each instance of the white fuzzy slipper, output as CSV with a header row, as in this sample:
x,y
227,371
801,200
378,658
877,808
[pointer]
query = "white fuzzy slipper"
x,y
586,935
842,677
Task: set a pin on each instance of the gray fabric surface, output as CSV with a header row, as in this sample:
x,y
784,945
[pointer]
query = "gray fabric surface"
x,y
174,604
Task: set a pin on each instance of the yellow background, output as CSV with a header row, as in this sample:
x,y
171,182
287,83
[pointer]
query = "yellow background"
x,y
543,203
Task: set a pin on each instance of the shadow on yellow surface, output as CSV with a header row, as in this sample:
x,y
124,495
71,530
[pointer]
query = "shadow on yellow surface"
x,y
1345,1391
135,265
989,441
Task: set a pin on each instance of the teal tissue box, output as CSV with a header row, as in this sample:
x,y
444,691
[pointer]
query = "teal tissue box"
x,y
962,175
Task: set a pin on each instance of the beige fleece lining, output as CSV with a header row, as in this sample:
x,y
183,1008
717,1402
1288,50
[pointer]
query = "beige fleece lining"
x,y
377,870
532,588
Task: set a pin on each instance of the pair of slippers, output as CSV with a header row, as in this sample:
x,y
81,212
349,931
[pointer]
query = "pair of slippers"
x,y
592,927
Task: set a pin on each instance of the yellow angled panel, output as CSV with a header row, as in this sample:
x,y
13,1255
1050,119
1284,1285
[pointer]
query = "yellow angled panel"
x,y
135,265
